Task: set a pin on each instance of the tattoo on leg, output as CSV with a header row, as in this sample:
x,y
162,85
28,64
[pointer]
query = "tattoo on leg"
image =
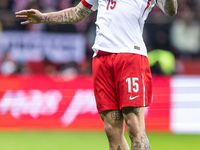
x,y
145,142
137,146
116,115
119,148
132,140
111,147
134,110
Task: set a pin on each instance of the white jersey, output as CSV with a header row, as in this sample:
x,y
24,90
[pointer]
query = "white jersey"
x,y
119,25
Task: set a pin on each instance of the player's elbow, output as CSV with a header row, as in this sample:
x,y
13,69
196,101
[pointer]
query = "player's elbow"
x,y
171,13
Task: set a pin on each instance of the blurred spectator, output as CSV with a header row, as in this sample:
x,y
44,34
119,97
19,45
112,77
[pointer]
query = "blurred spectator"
x,y
69,69
6,4
6,15
185,34
50,68
8,20
7,66
85,67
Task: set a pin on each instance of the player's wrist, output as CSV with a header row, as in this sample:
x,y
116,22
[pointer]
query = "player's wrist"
x,y
44,18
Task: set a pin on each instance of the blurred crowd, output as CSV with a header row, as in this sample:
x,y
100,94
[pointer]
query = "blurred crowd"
x,y
179,35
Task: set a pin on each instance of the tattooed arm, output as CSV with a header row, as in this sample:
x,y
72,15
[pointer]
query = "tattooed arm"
x,y
169,7
66,16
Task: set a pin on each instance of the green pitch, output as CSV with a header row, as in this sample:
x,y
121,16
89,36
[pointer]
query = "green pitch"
x,y
63,140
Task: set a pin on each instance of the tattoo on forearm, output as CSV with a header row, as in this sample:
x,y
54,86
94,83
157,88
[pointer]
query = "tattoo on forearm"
x,y
116,115
69,16
47,18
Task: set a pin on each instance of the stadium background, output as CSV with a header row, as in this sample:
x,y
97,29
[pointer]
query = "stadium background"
x,y
46,90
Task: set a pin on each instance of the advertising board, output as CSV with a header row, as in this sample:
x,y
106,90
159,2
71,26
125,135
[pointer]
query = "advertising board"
x,y
66,102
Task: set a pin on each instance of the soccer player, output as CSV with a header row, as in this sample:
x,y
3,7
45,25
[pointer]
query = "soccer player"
x,y
121,72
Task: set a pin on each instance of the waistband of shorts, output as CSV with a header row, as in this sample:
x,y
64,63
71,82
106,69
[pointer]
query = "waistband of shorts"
x,y
103,53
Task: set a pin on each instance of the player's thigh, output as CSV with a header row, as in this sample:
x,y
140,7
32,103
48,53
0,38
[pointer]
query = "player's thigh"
x,y
133,80
112,119
134,118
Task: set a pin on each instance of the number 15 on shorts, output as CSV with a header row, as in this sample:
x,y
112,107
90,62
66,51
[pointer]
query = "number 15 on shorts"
x,y
133,85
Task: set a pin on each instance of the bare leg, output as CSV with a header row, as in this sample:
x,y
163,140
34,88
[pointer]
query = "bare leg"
x,y
134,118
114,128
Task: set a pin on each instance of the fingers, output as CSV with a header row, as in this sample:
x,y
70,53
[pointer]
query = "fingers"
x,y
22,16
25,12
25,22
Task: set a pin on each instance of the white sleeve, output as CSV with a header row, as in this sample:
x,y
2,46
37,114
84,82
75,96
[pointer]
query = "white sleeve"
x,y
91,4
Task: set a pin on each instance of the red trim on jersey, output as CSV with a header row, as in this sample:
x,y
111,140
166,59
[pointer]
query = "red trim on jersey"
x,y
86,4
148,4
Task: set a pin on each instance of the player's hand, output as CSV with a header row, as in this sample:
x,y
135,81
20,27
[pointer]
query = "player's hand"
x,y
31,16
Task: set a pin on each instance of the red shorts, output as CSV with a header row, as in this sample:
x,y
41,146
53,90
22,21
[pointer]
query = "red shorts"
x,y
121,80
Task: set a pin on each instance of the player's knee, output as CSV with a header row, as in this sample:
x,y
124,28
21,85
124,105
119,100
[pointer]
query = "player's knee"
x,y
112,132
109,130
134,129
134,121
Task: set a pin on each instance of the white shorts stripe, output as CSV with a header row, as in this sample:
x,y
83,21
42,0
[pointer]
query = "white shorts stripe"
x,y
143,90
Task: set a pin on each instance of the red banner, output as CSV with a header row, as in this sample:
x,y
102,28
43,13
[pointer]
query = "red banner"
x,y
63,102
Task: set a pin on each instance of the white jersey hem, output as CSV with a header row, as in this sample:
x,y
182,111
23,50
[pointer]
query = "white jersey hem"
x,y
96,49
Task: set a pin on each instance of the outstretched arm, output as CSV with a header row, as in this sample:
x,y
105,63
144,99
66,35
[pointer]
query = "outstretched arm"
x,y
66,16
169,7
